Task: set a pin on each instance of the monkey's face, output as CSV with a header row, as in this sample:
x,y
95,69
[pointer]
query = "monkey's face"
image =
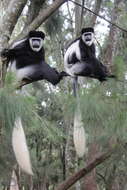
x,y
88,38
36,43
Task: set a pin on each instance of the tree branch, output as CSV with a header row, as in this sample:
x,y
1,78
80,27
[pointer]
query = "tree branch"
x,y
42,17
13,12
102,17
83,172
96,10
9,21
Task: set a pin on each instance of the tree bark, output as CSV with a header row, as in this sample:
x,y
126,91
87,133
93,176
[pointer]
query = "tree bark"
x,y
69,157
42,17
83,172
13,12
96,10
111,179
33,11
90,180
6,28
77,18
82,13
112,39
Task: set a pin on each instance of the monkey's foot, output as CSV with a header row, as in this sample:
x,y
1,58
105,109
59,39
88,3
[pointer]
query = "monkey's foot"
x,y
23,83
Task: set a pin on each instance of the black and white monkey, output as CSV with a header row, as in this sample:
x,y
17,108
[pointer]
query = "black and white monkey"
x,y
27,58
80,58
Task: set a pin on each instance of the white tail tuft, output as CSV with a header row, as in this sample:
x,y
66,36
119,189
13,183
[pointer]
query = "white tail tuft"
x,y
79,134
20,147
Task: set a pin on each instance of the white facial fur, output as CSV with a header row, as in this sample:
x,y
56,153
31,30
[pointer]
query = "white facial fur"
x,y
88,38
36,41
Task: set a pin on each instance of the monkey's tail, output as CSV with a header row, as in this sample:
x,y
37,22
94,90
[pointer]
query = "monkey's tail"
x,y
79,135
20,147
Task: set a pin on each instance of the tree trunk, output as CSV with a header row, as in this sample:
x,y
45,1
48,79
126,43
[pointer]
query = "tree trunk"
x,y
112,39
33,11
77,18
96,10
43,15
69,157
9,21
111,179
82,13
83,172
115,185
90,180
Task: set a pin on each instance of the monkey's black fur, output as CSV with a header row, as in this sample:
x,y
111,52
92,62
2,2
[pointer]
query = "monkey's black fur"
x,y
24,57
92,66
83,55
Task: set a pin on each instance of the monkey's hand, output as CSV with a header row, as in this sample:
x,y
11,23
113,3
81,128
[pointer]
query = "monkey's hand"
x,y
55,70
63,74
4,53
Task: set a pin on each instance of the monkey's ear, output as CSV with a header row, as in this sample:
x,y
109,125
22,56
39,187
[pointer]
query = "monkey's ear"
x,y
42,35
89,29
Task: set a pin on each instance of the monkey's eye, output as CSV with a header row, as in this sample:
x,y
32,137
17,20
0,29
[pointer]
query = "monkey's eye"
x,y
88,37
87,34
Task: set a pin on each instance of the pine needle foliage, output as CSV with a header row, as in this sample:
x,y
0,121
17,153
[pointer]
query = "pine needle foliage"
x,y
7,159
119,66
104,111
13,104
54,24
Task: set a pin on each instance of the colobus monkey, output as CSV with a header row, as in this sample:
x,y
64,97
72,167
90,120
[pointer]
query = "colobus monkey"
x,y
27,59
80,58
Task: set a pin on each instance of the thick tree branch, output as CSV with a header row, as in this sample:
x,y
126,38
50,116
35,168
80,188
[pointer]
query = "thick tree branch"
x,y
42,17
102,17
9,21
33,11
110,50
96,10
83,172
